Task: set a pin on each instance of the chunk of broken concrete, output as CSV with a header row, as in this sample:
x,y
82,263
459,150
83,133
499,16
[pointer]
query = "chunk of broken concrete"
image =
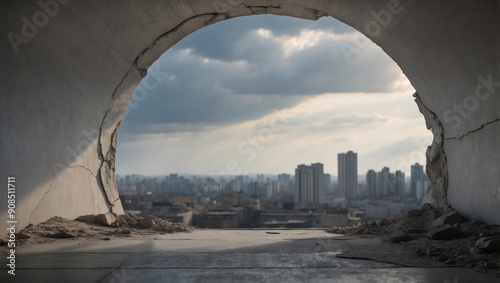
x,y
489,244
105,219
445,232
147,222
87,218
400,237
448,218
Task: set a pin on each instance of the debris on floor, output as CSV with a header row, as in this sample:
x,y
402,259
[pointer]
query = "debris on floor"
x,y
105,226
429,237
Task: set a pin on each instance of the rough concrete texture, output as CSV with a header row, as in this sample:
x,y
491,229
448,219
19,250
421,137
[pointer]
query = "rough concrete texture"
x,y
70,67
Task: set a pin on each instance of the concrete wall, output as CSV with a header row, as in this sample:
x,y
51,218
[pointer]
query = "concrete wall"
x,y
68,69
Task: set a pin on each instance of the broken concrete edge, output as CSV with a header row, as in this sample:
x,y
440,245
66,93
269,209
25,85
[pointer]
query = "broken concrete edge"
x,y
436,167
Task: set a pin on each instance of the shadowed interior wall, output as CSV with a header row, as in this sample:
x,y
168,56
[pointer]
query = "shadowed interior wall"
x,y
68,69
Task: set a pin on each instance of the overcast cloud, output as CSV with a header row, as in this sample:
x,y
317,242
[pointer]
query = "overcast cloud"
x,y
225,82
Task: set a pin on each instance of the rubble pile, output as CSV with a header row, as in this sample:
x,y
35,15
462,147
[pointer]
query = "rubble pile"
x,y
102,226
431,237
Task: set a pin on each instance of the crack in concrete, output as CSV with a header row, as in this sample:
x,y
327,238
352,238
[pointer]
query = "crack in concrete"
x,y
166,35
99,150
52,183
254,10
81,166
101,157
123,79
434,116
41,199
473,131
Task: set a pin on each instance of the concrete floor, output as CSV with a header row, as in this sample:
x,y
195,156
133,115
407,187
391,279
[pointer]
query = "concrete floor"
x,y
217,256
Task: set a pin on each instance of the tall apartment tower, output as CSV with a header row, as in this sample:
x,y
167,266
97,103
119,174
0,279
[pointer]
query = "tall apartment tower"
x,y
384,182
303,184
309,184
371,183
348,174
417,174
318,183
400,184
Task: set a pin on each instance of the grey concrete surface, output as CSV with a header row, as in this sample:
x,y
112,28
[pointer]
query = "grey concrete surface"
x,y
218,256
68,71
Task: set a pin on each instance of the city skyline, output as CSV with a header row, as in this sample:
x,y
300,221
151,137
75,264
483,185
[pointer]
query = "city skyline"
x,y
309,186
267,93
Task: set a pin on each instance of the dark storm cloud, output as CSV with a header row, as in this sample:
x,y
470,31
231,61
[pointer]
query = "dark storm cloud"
x,y
217,41
227,73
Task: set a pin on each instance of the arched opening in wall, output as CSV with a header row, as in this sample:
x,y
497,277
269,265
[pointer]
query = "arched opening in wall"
x,y
224,118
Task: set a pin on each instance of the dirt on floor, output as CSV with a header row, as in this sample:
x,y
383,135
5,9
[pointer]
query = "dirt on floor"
x,y
429,238
104,226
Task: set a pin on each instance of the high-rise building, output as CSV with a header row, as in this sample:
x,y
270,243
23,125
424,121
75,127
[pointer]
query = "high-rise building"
x,y
309,184
328,183
371,183
348,174
318,183
303,184
417,174
383,182
400,184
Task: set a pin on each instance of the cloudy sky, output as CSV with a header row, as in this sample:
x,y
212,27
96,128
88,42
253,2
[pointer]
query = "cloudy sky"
x,y
262,94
